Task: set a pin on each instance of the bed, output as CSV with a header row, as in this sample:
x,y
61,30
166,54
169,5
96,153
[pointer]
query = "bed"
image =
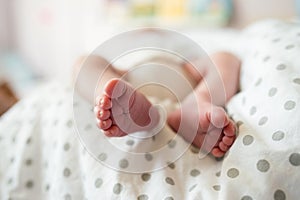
x,y
43,157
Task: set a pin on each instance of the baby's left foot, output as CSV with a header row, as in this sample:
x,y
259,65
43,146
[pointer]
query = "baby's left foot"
x,y
215,133
121,110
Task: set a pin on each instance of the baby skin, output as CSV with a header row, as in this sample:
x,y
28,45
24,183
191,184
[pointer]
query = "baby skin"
x,y
121,110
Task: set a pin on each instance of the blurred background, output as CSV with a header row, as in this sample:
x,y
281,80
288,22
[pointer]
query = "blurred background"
x,y
40,40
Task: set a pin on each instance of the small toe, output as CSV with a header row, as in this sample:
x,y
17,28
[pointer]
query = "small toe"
x,y
227,140
229,130
103,114
105,102
114,131
217,152
105,124
223,147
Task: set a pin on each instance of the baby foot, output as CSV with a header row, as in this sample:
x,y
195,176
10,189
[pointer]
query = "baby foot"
x,y
121,110
215,131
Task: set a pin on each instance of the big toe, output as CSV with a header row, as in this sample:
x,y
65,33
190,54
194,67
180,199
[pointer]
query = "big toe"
x,y
218,117
115,88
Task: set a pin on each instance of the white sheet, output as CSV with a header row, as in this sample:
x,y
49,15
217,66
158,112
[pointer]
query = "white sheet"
x,y
43,158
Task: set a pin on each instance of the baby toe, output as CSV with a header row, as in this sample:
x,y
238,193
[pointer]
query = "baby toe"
x,y
217,153
114,131
229,130
227,140
223,147
105,124
103,114
105,102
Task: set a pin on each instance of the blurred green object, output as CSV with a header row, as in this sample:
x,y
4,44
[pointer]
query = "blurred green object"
x,y
14,70
212,12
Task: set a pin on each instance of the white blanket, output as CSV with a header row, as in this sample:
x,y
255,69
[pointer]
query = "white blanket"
x,y
43,157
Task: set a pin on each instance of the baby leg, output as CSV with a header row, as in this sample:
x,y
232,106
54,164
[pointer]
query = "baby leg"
x,y
216,131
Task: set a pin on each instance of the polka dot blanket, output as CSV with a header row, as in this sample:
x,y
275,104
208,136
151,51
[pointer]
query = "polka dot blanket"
x,y
43,156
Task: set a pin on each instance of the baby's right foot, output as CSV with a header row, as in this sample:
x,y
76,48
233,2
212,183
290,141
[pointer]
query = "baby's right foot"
x,y
121,110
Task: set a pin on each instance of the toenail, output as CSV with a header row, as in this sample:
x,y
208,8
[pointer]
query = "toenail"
x,y
101,113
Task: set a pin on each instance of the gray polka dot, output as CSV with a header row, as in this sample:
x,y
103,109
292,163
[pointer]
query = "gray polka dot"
x,y
276,40
243,100
281,67
169,198
279,195
217,187
66,146
9,181
289,105
258,82
246,197
123,163
67,172
295,159
102,157
248,139
272,92
117,188
233,172
278,135
265,59
13,140
297,81
171,165
68,197
59,103
172,143
130,142
148,157
28,162
29,184
88,127
146,177
194,172
12,160
290,46
28,141
143,197
170,181
69,123
194,149
263,120
55,122
98,182
253,110
218,174
263,165
47,188
192,187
